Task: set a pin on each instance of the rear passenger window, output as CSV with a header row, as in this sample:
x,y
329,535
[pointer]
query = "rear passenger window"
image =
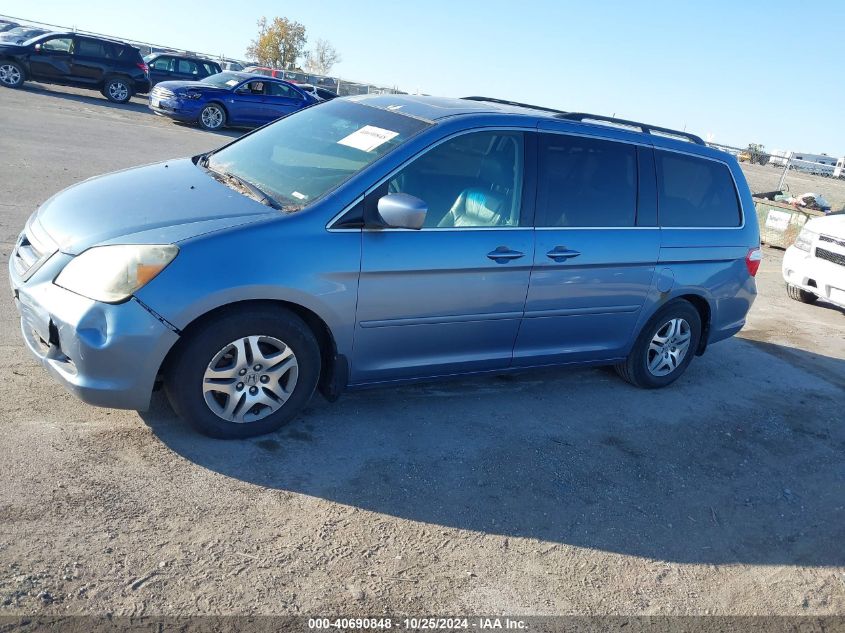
x,y
90,48
187,67
586,182
695,192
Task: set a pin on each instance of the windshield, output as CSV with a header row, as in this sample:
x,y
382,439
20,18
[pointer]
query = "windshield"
x,y
35,38
305,155
223,80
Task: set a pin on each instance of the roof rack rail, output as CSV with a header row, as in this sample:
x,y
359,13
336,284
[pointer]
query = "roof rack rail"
x,y
514,103
643,127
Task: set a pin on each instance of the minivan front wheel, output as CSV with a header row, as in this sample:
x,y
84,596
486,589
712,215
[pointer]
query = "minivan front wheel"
x,y
665,347
117,90
11,74
244,373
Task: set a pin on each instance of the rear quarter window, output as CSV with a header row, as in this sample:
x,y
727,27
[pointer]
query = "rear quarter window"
x,y
695,192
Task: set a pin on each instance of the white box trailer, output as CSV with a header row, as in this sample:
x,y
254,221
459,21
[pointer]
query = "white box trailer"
x,y
818,164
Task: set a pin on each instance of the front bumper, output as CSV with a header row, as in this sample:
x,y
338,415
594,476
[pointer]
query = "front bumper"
x,y
106,355
801,269
175,109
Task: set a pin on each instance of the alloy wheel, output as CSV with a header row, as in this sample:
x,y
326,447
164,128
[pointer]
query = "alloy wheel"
x,y
212,117
9,75
250,378
669,346
118,91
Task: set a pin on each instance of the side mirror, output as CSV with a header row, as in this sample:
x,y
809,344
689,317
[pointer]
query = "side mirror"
x,y
402,211
37,47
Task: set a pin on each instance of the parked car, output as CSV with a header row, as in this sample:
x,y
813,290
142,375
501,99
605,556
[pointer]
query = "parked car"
x,y
321,93
114,68
20,34
292,76
175,67
382,239
229,65
266,71
235,99
814,266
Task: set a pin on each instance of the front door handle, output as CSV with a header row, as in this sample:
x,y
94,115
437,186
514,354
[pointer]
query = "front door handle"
x,y
561,254
503,254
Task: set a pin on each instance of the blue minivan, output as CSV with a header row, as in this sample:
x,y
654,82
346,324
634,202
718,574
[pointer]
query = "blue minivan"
x,y
377,239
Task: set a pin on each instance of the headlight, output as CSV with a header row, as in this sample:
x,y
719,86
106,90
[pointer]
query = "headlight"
x,y
804,240
112,273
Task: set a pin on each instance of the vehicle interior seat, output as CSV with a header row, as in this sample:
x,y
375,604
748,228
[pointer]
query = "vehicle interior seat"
x,y
488,204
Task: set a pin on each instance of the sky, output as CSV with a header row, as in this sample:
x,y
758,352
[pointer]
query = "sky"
x,y
740,71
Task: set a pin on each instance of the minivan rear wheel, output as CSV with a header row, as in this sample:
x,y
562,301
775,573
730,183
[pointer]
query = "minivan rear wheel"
x,y
664,348
244,373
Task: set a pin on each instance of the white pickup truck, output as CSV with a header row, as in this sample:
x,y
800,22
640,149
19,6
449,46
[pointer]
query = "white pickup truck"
x,y
814,266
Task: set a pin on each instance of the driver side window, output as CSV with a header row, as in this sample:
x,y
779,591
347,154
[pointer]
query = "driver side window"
x,y
252,88
473,180
58,45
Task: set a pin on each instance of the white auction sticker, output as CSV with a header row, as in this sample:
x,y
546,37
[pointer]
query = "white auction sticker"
x,y
368,138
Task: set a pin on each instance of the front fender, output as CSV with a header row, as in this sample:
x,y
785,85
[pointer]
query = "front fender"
x,y
287,260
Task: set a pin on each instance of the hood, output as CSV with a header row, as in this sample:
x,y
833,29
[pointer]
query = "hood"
x,y
10,48
160,203
193,85
833,225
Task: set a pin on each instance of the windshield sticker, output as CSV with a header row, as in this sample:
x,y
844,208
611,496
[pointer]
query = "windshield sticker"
x,y
298,196
232,82
368,138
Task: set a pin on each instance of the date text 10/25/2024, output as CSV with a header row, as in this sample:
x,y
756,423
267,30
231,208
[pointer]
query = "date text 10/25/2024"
x,y
418,623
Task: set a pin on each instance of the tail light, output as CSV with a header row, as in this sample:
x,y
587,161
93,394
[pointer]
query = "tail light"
x,y
143,67
752,260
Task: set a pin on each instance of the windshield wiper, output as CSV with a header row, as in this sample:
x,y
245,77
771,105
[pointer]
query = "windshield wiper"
x,y
256,192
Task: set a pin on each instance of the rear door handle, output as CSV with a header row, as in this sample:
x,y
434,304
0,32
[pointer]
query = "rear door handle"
x,y
561,253
503,254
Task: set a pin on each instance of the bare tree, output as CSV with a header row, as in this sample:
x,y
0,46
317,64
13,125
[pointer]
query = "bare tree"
x,y
278,44
320,59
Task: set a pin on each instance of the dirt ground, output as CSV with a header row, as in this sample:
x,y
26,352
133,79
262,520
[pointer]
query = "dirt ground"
x,y
561,492
763,178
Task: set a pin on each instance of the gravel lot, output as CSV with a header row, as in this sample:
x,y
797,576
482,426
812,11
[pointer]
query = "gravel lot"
x,y
563,492
762,178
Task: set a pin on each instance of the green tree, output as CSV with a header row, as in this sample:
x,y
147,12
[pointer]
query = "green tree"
x,y
279,44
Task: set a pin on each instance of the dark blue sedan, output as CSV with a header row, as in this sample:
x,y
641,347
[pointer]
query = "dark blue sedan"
x,y
229,98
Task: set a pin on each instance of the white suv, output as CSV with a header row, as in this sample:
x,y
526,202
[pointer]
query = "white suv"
x,y
814,266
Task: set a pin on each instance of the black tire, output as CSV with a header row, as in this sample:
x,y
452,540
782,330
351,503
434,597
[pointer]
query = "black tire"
x,y
11,74
803,296
184,378
635,368
216,122
117,89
